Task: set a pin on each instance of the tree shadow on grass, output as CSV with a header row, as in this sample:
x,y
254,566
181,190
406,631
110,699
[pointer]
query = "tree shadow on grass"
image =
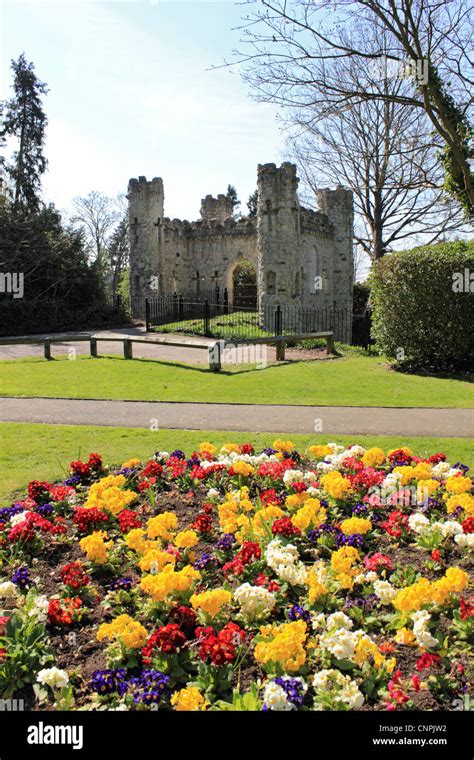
x,y
466,376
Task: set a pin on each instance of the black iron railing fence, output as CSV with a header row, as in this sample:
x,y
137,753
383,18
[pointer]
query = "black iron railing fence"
x,y
214,316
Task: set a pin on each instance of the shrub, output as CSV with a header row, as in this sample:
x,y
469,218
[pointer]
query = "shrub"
x,y
421,316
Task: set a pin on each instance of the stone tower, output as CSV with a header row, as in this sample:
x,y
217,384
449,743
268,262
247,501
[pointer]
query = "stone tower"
x,y
145,215
338,206
277,235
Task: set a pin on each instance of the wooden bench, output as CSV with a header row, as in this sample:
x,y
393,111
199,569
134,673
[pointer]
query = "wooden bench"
x,y
280,341
214,348
94,338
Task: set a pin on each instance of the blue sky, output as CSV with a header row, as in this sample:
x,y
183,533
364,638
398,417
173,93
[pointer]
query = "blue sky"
x,y
131,93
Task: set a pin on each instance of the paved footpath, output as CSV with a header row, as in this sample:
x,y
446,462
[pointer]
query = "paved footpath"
x,y
256,418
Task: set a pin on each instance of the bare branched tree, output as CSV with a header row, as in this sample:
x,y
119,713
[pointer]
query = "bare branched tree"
x,y
383,150
291,44
96,215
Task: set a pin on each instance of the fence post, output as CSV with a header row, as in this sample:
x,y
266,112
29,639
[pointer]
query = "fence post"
x,y
93,343
147,315
127,349
175,305
278,320
206,317
181,307
47,348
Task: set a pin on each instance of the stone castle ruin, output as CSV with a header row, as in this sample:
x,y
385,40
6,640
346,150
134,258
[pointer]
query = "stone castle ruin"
x,y
298,257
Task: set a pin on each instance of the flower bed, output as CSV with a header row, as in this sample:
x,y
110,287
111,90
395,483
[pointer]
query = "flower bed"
x,y
239,580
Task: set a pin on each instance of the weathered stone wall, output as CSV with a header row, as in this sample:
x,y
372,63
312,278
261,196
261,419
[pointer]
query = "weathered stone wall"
x,y
302,257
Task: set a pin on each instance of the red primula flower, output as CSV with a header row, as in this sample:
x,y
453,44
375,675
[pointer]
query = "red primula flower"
x,y
427,660
152,468
284,527
74,575
378,561
202,523
219,648
89,519
185,617
468,525
63,612
128,520
169,639
467,608
62,493
38,489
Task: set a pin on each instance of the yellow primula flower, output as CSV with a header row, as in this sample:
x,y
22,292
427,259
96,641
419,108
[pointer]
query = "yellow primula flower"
x,y
405,472
283,446
155,560
229,448
463,500
130,633
242,468
319,452
336,485
131,463
107,494
285,647
189,699
355,525
162,526
206,447
186,539
95,547
311,515
405,636
373,457
211,602
368,650
458,484
169,583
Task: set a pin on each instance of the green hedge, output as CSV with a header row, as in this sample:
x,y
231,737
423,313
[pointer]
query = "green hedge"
x,y
420,315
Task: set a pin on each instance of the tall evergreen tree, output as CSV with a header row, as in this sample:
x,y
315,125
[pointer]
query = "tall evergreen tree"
x,y
232,195
25,120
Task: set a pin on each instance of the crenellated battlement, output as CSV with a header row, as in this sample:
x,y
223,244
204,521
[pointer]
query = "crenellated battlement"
x,y
291,248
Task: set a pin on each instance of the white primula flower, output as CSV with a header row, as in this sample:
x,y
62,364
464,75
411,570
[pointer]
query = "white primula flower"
x,y
292,476
256,602
53,677
340,642
423,636
19,518
339,620
385,591
324,467
40,608
318,621
213,493
451,528
465,540
274,697
351,695
7,588
418,523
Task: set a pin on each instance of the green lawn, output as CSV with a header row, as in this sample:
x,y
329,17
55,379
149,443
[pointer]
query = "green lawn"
x,y
239,325
36,451
353,380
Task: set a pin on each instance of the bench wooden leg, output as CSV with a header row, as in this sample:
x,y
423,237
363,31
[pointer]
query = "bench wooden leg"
x,y
280,350
214,354
127,349
330,345
93,347
47,349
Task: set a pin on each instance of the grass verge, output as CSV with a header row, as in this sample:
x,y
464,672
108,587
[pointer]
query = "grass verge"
x,y
43,452
353,380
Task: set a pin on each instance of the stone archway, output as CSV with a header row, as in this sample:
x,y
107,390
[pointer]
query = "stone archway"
x,y
242,284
